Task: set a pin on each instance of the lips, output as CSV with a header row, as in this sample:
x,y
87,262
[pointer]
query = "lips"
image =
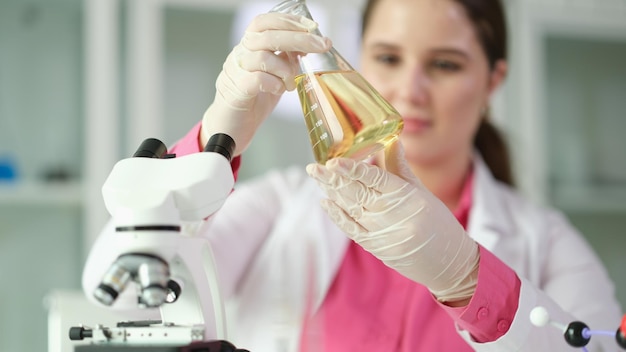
x,y
412,125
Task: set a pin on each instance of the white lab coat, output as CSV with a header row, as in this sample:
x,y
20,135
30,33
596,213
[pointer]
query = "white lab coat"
x,y
277,253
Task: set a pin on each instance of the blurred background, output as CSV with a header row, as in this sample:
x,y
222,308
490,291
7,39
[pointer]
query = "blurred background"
x,y
83,82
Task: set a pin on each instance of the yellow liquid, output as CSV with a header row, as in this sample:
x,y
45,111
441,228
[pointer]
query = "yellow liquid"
x,y
345,116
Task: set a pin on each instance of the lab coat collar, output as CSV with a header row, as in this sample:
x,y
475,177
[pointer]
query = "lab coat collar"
x,y
488,218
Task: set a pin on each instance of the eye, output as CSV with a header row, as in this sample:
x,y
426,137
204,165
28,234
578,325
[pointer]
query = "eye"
x,y
387,59
445,65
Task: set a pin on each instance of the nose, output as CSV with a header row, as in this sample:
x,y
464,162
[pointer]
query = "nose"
x,y
414,85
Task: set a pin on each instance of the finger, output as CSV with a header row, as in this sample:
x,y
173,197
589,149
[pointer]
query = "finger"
x,y
284,32
290,81
379,193
239,95
378,238
276,40
337,187
238,86
353,196
270,63
325,177
369,175
372,210
396,163
346,223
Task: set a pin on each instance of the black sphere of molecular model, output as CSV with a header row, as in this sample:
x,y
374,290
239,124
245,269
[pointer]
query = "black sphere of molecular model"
x,y
620,334
576,334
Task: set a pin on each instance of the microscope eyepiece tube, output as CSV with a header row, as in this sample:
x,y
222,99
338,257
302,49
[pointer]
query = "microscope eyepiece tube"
x,y
151,148
221,143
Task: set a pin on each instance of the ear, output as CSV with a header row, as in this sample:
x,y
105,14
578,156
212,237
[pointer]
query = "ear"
x,y
497,75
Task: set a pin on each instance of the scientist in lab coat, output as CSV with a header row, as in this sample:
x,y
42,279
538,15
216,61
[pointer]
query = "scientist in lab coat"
x,y
427,247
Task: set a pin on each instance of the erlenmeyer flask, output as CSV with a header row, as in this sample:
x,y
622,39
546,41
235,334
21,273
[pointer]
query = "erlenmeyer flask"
x,y
344,114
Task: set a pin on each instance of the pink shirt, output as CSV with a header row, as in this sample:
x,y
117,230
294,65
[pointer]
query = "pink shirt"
x,y
370,307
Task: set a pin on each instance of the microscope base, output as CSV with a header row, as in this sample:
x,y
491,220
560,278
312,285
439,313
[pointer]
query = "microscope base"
x,y
109,348
207,346
148,336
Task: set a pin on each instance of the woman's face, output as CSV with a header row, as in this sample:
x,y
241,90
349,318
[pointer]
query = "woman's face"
x,y
424,57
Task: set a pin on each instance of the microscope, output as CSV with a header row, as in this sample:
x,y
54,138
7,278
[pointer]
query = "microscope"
x,y
155,200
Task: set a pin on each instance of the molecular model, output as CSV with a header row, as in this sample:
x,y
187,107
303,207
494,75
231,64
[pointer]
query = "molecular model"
x,y
578,334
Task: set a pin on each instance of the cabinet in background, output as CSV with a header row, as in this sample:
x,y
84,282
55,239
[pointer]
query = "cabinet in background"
x,y
41,132
567,116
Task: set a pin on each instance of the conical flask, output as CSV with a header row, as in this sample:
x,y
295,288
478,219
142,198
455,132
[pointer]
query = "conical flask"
x,y
345,116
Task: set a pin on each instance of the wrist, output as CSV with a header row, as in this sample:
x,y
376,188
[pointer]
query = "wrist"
x,y
457,304
216,119
207,129
462,286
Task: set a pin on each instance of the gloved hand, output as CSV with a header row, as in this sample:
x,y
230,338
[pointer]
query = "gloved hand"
x,y
393,216
256,73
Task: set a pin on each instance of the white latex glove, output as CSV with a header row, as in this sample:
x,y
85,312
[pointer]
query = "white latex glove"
x,y
394,217
256,73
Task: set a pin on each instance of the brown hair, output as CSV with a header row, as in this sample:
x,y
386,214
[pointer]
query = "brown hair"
x,y
490,23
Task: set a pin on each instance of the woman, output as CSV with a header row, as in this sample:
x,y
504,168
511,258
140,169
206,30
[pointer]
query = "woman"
x,y
442,253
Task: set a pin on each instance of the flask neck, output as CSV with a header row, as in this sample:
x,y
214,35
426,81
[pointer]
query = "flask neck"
x,y
312,62
323,62
296,7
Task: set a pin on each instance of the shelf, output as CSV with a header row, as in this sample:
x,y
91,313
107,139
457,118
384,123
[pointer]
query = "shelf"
x,y
40,193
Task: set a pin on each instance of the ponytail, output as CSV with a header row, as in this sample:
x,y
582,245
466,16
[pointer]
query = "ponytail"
x,y
494,151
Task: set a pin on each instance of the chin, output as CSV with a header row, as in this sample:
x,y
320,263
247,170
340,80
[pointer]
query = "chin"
x,y
420,153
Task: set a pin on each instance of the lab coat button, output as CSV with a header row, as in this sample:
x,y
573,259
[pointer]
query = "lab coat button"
x,y
482,313
503,325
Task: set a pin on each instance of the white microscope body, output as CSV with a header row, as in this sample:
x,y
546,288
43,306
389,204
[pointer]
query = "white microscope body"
x,y
153,197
